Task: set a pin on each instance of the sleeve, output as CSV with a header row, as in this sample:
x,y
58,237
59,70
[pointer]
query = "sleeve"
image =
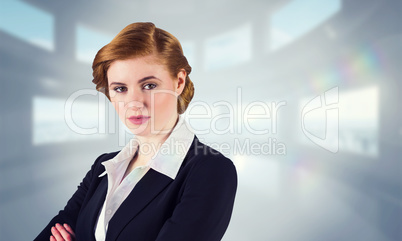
x,y
70,212
204,211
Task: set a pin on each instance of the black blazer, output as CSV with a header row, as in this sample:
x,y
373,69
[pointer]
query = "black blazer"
x,y
196,205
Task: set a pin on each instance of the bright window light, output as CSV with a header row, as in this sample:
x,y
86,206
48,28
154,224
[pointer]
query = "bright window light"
x,y
50,123
89,41
299,17
356,124
28,23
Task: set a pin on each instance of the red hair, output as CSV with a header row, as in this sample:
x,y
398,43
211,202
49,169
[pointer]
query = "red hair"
x,y
138,40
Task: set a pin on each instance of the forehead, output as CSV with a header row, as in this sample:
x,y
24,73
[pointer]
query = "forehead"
x,y
136,68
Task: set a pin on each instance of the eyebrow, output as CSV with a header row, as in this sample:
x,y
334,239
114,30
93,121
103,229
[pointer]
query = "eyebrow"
x,y
139,81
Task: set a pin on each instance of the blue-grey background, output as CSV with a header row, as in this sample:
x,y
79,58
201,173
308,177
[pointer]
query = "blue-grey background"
x,y
247,56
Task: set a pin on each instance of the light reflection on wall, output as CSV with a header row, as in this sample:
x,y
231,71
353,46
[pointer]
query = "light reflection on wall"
x,y
28,23
358,121
49,121
89,41
259,175
228,49
298,17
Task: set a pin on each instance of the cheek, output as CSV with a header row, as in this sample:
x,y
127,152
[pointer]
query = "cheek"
x,y
165,105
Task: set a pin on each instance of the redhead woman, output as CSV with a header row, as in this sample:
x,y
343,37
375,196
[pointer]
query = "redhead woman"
x,y
164,184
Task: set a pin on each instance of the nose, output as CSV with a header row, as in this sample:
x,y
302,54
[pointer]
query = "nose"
x,y
134,100
134,105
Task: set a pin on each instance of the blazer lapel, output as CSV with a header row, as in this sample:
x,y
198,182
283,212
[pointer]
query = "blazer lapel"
x,y
151,184
89,214
97,202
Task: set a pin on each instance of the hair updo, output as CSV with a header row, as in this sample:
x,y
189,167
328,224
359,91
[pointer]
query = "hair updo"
x,y
139,40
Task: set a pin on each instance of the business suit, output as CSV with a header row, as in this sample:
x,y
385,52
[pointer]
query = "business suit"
x,y
196,205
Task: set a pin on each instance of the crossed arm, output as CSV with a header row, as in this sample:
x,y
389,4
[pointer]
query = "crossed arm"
x,y
60,226
204,211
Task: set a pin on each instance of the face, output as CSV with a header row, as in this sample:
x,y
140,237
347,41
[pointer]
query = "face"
x,y
144,94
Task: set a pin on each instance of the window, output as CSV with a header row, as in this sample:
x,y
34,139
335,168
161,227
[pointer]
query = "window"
x,y
357,128
299,17
28,23
51,126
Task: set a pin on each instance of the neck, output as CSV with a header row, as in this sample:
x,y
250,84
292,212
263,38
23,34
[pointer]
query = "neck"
x,y
149,145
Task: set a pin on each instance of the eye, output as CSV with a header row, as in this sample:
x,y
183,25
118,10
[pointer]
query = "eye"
x,y
120,89
149,86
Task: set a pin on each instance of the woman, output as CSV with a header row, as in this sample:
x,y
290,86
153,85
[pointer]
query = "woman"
x,y
164,184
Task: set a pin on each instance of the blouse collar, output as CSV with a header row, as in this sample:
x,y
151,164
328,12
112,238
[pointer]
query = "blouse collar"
x,y
168,158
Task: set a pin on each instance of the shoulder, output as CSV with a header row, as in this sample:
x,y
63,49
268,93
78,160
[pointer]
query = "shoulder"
x,y
97,167
105,157
208,173
207,154
204,160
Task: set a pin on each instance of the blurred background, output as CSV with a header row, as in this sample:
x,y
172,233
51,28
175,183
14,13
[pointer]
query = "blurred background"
x,y
303,95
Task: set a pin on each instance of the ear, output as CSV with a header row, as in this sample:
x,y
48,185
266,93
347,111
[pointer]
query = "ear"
x,y
181,81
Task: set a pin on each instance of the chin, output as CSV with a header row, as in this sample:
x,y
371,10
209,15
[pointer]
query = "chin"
x,y
139,130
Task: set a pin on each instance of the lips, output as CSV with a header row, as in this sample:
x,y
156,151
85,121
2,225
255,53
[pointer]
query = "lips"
x,y
138,119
